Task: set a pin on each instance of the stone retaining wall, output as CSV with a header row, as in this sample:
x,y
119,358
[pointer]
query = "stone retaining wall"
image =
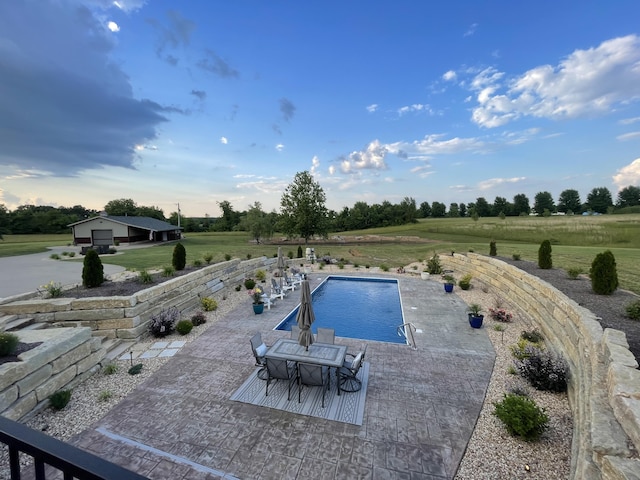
x,y
127,316
66,357
604,387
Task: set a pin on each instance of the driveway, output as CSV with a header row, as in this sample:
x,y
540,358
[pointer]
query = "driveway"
x,y
27,273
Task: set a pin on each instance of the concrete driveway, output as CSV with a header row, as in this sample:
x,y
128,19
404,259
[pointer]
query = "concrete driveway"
x,y
27,273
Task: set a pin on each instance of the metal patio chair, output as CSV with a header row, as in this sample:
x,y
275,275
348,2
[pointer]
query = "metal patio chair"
x,y
347,374
280,370
259,348
313,375
326,335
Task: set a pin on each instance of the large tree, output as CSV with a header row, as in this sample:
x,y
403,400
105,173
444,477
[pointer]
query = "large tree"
x,y
425,210
569,201
482,207
257,223
230,218
521,204
121,207
628,197
303,208
543,201
599,200
438,209
501,205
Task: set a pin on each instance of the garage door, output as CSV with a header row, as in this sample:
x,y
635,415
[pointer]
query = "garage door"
x,y
102,237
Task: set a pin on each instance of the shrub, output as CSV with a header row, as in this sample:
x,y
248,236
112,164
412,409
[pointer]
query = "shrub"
x,y
238,288
433,265
163,323
500,315
544,370
249,283
197,262
544,255
522,417
113,251
341,266
248,256
465,282
183,327
198,318
633,310
136,369
179,259
533,336
208,257
208,304
604,275
92,270
53,289
523,349
261,275
299,251
54,256
105,395
145,277
60,399
110,369
493,251
384,267
116,243
168,271
8,343
517,257
72,254
290,254
227,257
574,272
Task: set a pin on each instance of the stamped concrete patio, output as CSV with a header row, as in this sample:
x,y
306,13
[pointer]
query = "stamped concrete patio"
x,y
420,410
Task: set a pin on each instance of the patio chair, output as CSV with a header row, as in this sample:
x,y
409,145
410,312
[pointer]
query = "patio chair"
x,y
313,375
326,335
259,348
280,370
280,291
293,280
295,331
347,374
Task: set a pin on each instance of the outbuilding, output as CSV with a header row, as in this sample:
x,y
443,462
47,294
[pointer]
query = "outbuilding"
x,y
106,230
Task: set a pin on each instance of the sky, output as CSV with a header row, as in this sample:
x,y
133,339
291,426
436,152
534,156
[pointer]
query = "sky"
x,y
193,103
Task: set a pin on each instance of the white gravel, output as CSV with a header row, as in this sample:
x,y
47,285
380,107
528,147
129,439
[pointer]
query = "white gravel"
x,y
491,454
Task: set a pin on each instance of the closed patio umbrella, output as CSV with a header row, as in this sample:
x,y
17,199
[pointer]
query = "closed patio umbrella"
x,y
305,316
280,265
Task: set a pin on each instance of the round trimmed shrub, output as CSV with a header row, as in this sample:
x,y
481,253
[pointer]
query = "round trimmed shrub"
x,y
92,270
522,417
184,327
249,283
604,274
198,318
60,399
544,255
179,257
8,343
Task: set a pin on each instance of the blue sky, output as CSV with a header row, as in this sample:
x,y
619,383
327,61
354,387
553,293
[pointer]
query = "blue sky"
x,y
198,102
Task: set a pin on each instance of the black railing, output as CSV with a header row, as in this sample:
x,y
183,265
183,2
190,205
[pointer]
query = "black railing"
x,y
71,461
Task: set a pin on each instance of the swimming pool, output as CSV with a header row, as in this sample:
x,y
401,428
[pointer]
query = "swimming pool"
x,y
355,307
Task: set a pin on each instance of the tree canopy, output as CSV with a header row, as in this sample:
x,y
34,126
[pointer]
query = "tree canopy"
x,y
303,208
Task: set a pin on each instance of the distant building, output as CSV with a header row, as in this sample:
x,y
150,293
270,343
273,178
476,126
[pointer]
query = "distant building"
x,y
108,229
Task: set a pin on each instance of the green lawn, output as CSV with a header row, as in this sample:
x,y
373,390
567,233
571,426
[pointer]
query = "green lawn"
x,y
575,242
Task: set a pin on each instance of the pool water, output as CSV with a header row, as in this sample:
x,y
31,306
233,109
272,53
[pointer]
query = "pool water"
x,y
366,308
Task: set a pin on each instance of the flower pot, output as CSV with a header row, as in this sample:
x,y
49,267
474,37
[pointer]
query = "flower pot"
x,y
475,320
258,308
424,275
448,287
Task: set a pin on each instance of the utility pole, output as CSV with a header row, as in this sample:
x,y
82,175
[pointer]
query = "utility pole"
x,y
179,217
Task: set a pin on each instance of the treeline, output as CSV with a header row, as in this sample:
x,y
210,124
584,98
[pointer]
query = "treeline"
x,y
32,219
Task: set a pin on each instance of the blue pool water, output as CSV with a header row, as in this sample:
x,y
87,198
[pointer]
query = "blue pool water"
x,y
367,308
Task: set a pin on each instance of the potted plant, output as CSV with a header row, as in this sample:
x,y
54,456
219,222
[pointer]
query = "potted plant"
x,y
256,296
475,317
449,282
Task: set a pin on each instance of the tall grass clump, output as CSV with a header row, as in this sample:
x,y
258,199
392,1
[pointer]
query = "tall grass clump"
x,y
604,274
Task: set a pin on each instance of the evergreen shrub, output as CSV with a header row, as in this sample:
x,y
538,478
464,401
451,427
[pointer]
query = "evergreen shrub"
x,y
544,255
633,310
249,283
8,343
208,304
92,270
60,399
299,251
522,417
465,282
179,257
604,274
183,327
493,251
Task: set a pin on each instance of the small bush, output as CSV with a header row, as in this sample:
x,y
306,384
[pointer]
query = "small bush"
x,y
290,254
53,289
110,369
208,304
574,272
544,255
116,243
184,327
198,318
522,417
384,267
249,283
113,251
500,315
299,251
72,254
248,256
208,257
465,282
8,343
433,265
341,266
54,256
168,271
493,251
238,288
633,310
261,275
524,348
499,328
179,259
60,399
197,263
163,323
516,256
227,257
64,254
533,336
604,275
136,369
544,370
145,277
92,270
105,395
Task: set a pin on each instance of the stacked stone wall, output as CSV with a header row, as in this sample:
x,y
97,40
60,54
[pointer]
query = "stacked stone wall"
x,y
604,387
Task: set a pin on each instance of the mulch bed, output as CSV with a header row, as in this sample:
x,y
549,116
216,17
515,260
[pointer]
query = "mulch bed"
x,y
21,348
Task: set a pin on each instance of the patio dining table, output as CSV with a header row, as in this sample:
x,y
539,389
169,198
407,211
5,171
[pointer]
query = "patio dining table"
x,y
327,354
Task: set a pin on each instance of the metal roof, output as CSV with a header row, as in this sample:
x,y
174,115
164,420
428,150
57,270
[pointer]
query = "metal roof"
x,y
145,223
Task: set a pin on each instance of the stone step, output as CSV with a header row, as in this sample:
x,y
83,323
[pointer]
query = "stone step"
x,y
4,319
116,349
18,324
36,326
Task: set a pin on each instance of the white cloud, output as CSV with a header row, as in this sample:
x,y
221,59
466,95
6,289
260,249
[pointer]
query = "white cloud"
x,y
628,175
629,121
472,29
113,26
628,136
280,147
224,140
449,76
586,83
433,145
332,169
315,165
495,182
372,108
416,107
372,157
423,171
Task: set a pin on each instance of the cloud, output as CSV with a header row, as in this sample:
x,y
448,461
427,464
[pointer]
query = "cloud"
x,y
200,94
372,108
472,29
449,76
416,107
628,136
628,175
280,147
287,108
315,165
113,26
66,106
213,63
629,121
223,140
433,145
586,83
423,171
176,34
496,182
372,157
